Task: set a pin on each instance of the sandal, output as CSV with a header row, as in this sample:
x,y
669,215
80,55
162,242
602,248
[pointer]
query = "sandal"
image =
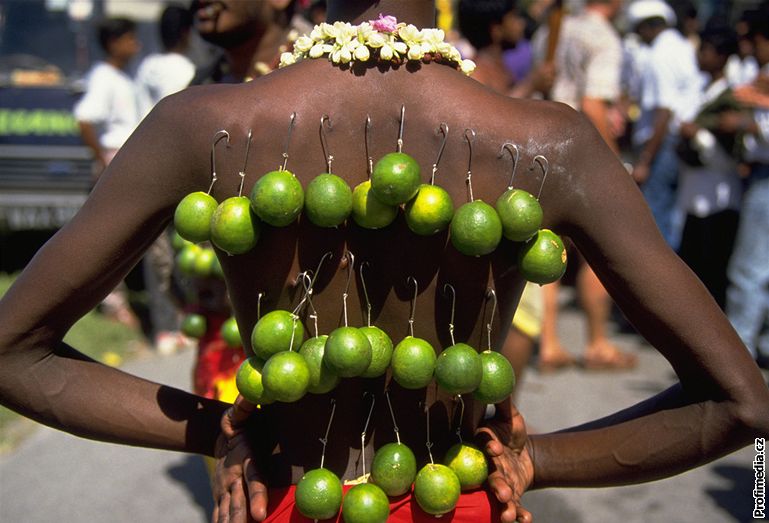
x,y
559,360
613,360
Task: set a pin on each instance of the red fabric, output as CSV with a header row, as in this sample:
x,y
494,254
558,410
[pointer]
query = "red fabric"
x,y
216,361
477,506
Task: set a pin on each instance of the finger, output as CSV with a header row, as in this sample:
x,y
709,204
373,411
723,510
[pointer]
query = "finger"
x,y
500,488
242,409
524,516
509,514
238,513
224,508
488,440
257,491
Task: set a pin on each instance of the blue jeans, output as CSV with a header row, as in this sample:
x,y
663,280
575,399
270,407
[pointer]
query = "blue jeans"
x,y
660,192
747,299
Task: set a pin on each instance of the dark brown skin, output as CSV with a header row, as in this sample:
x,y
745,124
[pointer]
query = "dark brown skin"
x,y
720,405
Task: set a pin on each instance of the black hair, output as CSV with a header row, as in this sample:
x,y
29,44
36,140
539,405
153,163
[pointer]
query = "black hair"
x,y
175,22
111,29
720,36
477,16
759,24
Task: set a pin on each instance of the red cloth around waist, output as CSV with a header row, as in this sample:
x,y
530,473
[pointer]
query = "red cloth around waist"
x,y
477,506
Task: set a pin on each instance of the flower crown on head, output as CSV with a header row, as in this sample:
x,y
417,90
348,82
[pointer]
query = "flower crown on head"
x,y
383,39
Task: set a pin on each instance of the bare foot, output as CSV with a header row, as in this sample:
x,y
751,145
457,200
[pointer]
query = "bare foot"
x,y
602,355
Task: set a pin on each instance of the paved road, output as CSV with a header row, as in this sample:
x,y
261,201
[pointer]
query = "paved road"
x,y
56,477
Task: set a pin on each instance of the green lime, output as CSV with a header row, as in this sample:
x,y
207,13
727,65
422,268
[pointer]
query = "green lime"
x,y
413,363
430,211
234,227
498,378
347,352
177,242
381,351
285,376
458,369
394,469
469,464
194,325
436,489
275,332
328,200
367,211
542,259
186,258
395,179
277,198
318,494
230,332
520,213
204,263
322,379
249,381
476,229
365,503
192,218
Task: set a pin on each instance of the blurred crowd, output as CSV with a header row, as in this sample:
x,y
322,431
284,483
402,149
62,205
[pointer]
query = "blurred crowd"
x,y
680,91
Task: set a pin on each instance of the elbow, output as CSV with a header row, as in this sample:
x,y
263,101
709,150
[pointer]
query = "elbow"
x,y
752,415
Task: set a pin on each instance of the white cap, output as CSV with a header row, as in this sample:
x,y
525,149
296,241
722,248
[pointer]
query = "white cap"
x,y
641,10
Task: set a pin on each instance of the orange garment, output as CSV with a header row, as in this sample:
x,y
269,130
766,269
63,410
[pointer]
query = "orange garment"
x,y
217,363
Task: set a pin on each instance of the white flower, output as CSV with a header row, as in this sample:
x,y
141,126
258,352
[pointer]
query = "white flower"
x,y
319,50
410,34
376,40
386,52
365,31
341,56
328,30
287,59
400,47
362,53
303,44
467,66
415,52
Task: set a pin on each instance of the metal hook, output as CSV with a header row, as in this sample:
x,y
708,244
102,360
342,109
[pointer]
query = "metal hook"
x,y
329,157
259,305
449,287
288,140
545,166
350,271
307,284
515,153
324,439
392,415
491,294
217,137
413,303
365,428
365,294
369,159
328,255
242,173
400,129
428,443
444,128
461,417
470,162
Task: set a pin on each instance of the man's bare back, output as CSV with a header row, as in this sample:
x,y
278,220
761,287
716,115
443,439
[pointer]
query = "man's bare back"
x,y
720,404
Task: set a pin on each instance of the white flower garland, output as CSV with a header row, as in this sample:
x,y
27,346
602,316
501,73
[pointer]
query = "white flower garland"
x,y
382,39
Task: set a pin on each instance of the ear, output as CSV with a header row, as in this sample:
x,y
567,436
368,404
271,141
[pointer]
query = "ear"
x,y
279,5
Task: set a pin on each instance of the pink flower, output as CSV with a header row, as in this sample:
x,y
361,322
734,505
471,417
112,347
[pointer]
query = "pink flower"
x,y
387,24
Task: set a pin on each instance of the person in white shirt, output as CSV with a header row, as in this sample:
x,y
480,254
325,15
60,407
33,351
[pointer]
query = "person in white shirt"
x,y
669,82
161,74
710,188
747,298
108,111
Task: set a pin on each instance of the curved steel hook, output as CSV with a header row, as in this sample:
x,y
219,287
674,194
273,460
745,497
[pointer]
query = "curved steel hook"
x,y
409,280
369,160
365,293
242,172
288,141
329,157
491,294
217,138
470,162
446,288
444,128
545,166
400,128
515,153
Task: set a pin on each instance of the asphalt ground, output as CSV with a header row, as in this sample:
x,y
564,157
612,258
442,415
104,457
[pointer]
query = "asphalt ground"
x,y
53,476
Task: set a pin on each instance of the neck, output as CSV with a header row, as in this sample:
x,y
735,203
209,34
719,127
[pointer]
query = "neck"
x,y
264,48
117,62
606,11
421,13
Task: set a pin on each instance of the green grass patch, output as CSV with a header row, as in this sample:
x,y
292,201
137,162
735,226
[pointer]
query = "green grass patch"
x,y
94,335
